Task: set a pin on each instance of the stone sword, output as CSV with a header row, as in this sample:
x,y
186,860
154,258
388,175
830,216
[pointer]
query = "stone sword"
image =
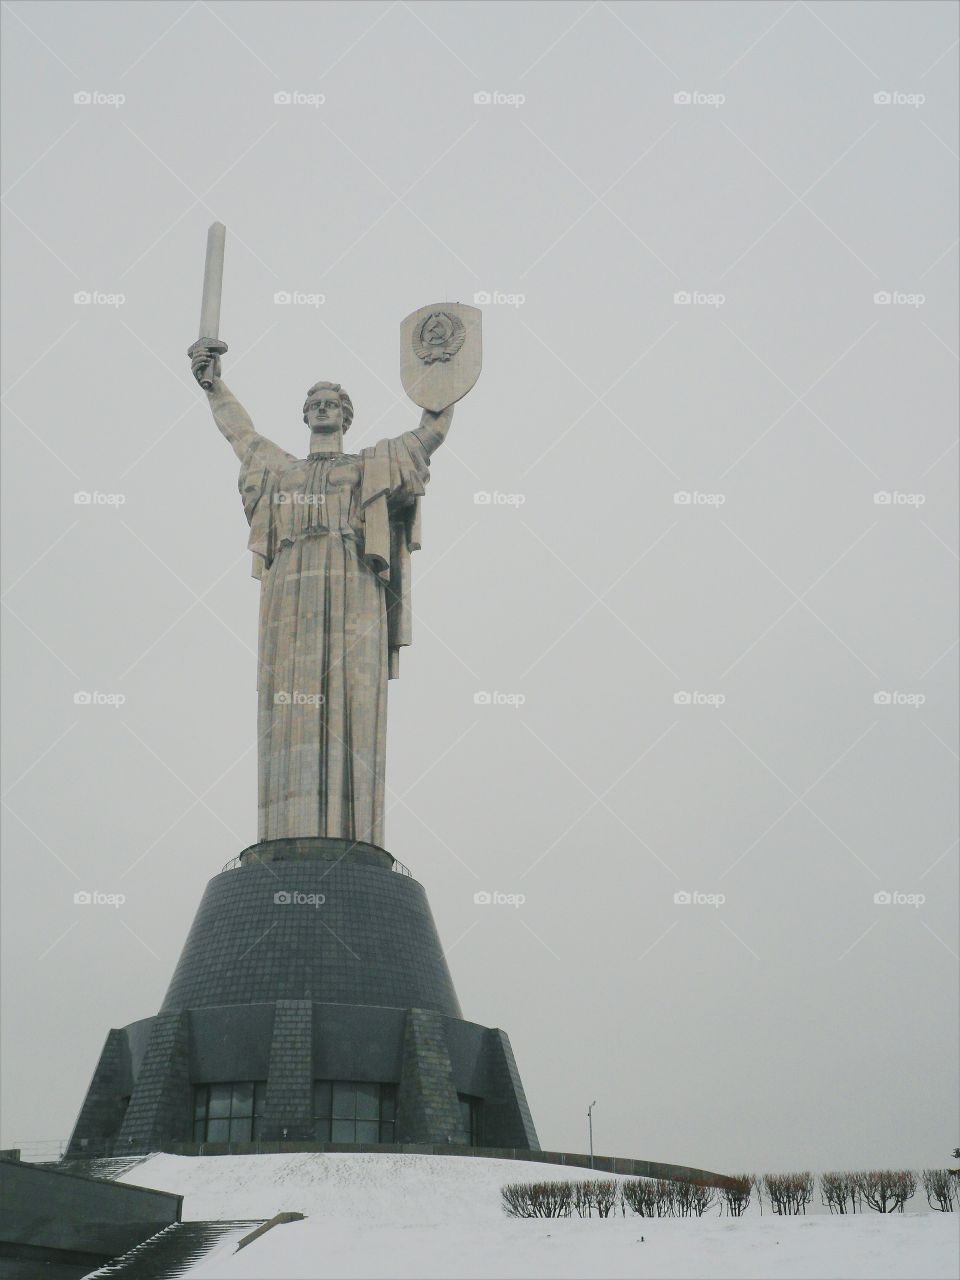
x,y
209,339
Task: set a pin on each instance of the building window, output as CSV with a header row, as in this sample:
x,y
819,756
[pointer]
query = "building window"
x,y
471,1110
354,1111
228,1112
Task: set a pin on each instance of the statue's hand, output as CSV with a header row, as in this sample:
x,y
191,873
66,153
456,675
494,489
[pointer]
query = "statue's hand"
x,y
205,356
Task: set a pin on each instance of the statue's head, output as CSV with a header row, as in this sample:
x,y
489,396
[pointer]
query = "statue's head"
x,y
327,408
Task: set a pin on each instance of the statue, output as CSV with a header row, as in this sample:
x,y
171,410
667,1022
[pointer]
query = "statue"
x,y
310,961
331,535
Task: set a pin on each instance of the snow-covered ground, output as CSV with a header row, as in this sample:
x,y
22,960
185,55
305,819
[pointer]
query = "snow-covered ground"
x,y
439,1216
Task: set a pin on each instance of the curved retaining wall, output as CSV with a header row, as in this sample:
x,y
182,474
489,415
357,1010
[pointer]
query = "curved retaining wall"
x,y
599,1164
328,931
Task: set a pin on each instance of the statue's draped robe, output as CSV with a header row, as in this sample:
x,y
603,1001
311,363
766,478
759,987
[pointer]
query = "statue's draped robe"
x,y
331,537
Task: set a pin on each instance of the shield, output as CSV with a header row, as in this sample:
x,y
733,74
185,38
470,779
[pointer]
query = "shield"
x,y
440,354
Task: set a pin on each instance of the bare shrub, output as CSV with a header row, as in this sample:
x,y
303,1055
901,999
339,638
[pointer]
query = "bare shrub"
x,y
537,1199
606,1196
552,1198
887,1190
736,1198
514,1198
683,1199
691,1200
640,1195
600,1194
840,1191
582,1196
702,1198
756,1182
666,1198
789,1193
940,1188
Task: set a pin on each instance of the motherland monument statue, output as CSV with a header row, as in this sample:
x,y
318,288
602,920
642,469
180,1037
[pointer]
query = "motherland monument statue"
x,y
331,535
312,1002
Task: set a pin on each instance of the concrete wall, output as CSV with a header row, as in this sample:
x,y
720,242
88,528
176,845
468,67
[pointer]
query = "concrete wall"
x,y
565,1159
46,1213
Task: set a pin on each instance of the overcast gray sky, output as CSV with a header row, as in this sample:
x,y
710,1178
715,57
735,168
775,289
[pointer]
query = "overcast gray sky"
x,y
783,1018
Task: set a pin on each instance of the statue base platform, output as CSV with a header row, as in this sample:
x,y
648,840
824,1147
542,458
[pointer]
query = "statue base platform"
x,y
312,985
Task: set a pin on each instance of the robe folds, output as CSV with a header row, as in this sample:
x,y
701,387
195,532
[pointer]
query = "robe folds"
x,y
331,537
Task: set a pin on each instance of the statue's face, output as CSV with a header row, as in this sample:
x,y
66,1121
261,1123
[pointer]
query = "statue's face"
x,y
324,412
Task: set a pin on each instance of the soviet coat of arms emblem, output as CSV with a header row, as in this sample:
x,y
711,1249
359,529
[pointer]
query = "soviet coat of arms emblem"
x,y
440,354
439,337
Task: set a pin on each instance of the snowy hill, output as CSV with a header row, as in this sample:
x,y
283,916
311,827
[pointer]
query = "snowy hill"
x,y
440,1216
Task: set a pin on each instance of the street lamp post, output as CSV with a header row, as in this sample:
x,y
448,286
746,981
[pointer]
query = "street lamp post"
x,y
590,1123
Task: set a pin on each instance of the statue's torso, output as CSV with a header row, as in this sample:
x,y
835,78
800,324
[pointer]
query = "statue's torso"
x,y
319,494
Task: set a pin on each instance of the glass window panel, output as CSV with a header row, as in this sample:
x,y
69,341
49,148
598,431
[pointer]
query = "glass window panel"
x,y
243,1098
344,1099
368,1102
259,1097
470,1111
220,1100
368,1131
200,1102
321,1128
218,1130
257,1127
388,1102
344,1131
240,1129
321,1097
386,1131
198,1130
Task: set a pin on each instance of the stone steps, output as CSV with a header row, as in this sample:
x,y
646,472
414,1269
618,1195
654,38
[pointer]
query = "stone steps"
x,y
110,1167
173,1250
